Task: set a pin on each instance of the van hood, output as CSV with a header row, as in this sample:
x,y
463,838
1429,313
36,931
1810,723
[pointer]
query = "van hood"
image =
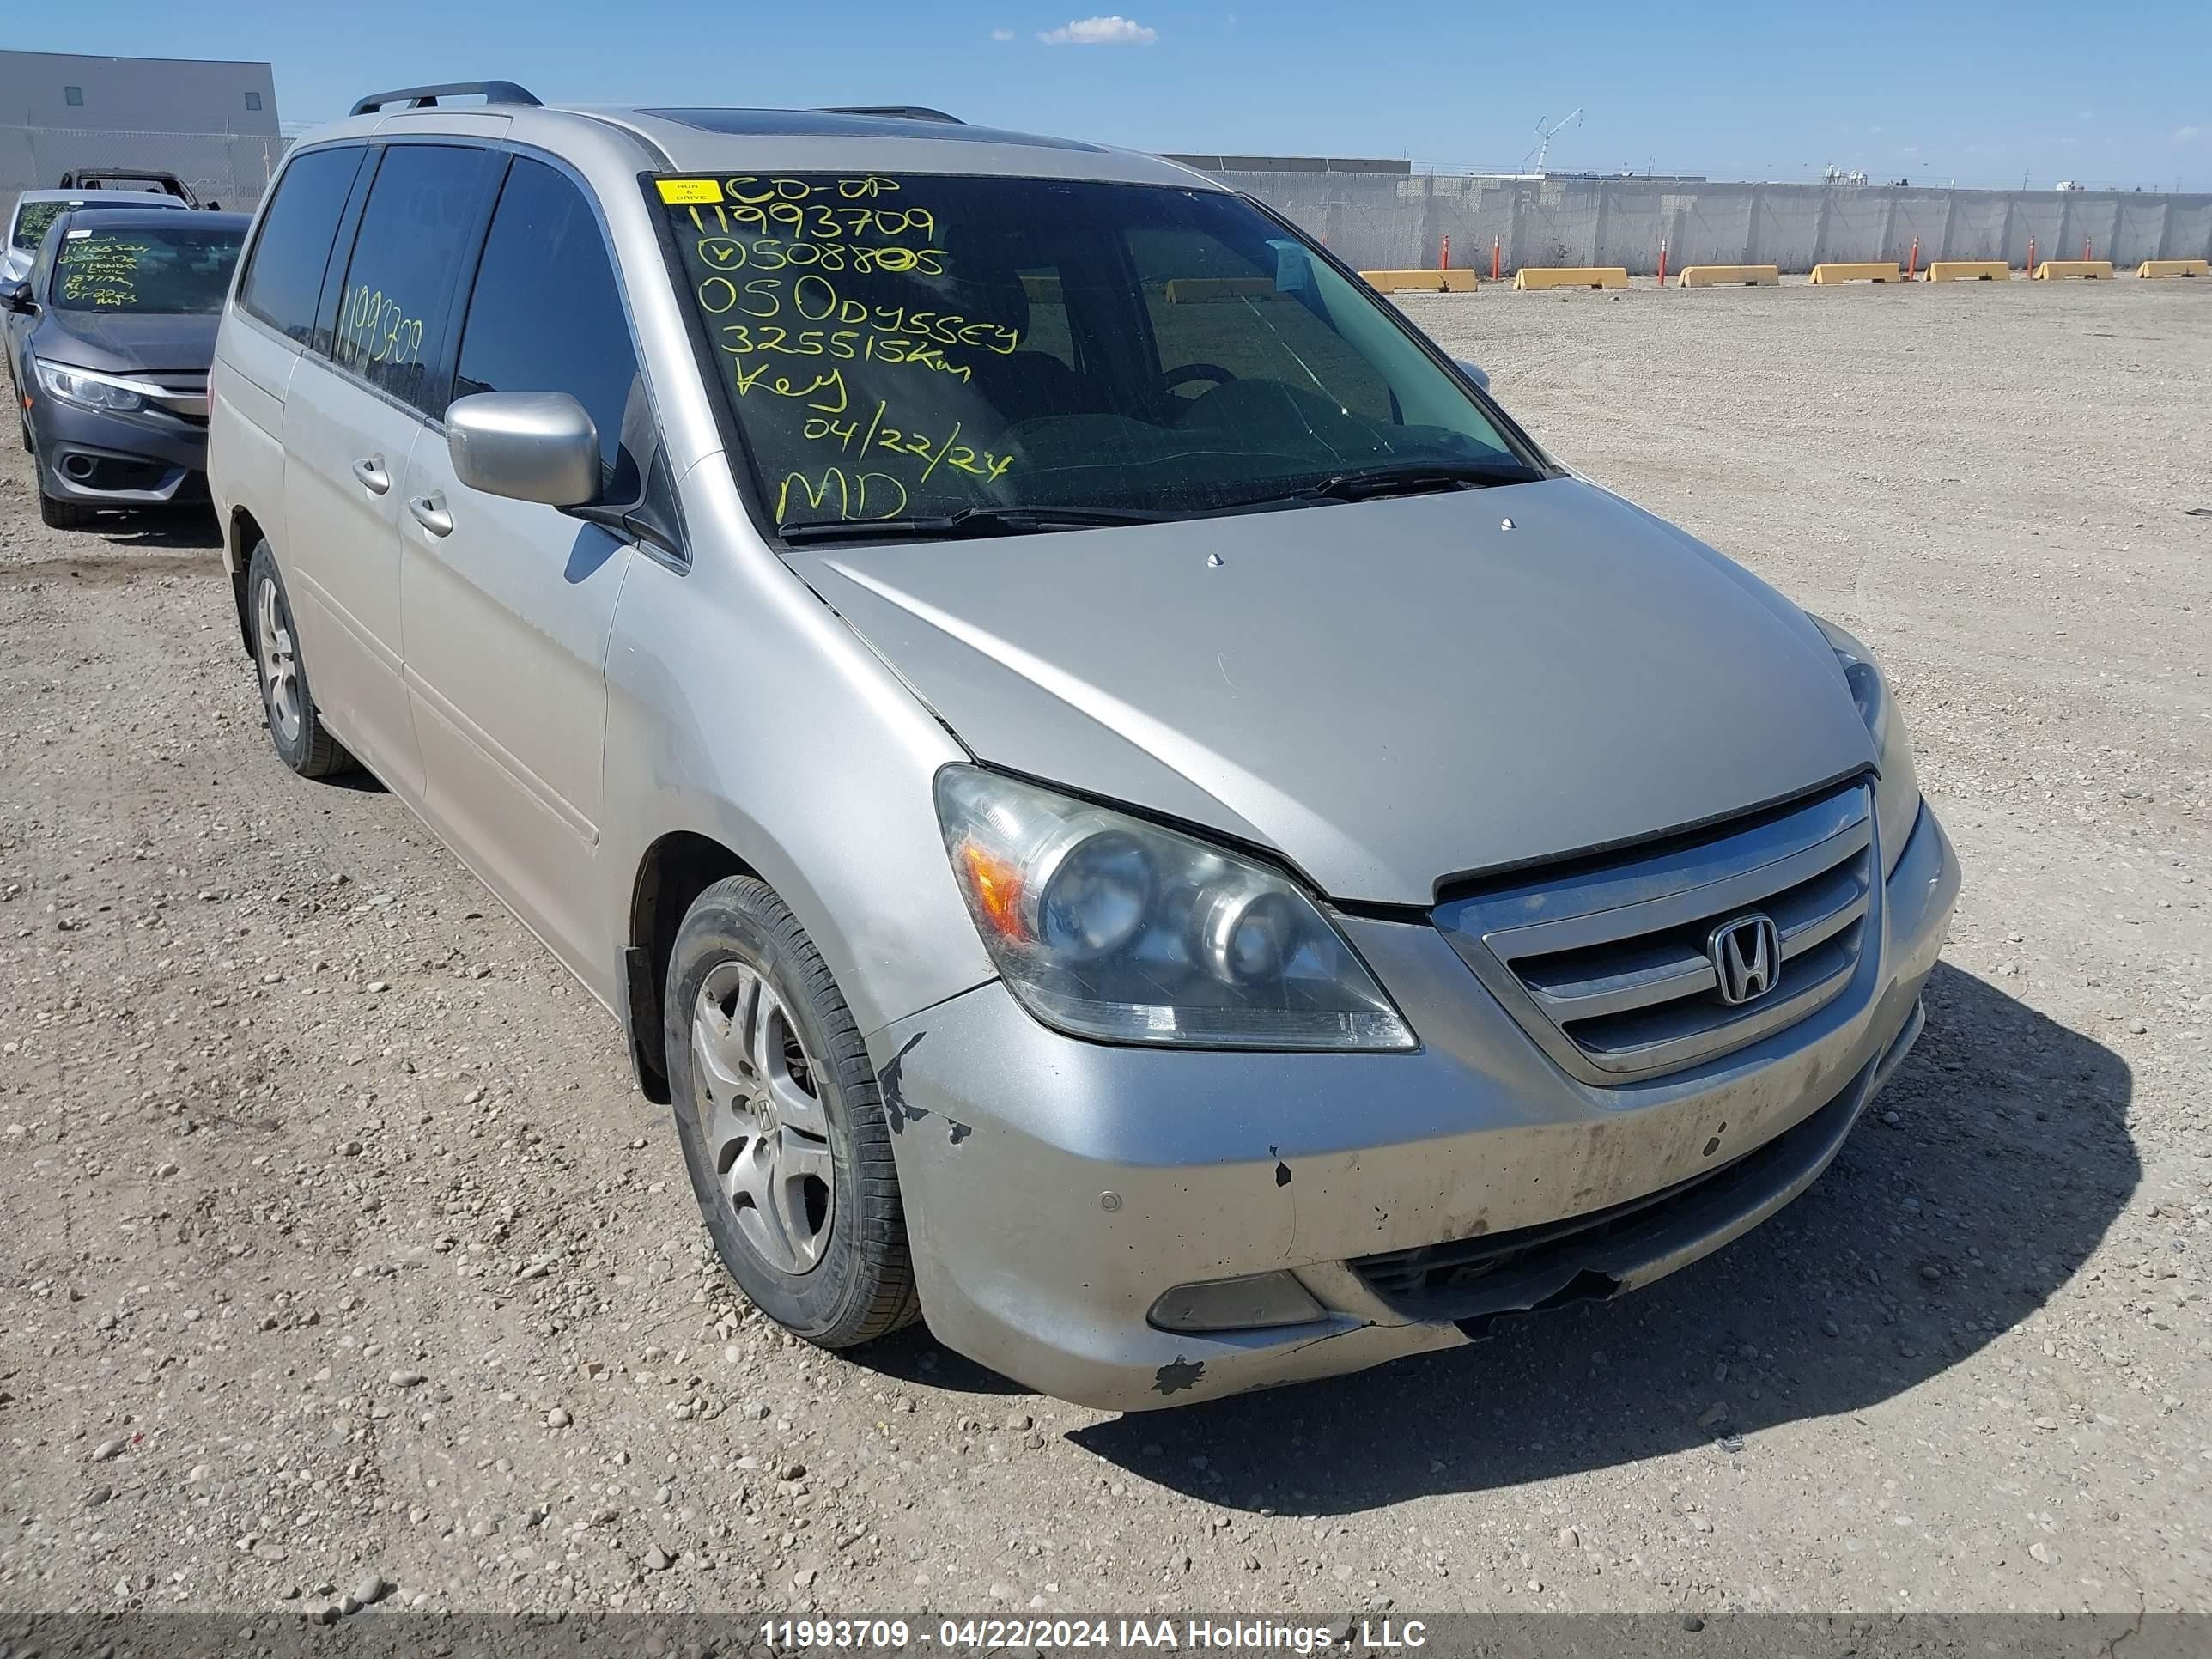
x,y
1390,694
116,342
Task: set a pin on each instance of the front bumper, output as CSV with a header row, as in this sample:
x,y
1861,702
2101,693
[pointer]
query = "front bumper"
x,y
103,459
1056,1189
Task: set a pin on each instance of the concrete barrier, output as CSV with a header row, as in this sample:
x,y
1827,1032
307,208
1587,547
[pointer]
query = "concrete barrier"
x,y
1420,281
1827,276
2174,268
2052,270
1969,270
1539,277
1714,275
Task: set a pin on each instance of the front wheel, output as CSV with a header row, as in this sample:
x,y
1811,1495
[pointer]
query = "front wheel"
x,y
63,515
782,1127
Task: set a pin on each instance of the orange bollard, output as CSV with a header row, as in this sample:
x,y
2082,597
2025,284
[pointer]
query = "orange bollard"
x,y
1662,262
1444,259
1493,259
1912,269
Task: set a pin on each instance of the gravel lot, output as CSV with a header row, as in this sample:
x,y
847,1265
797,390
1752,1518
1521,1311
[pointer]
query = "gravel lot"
x,y
341,1261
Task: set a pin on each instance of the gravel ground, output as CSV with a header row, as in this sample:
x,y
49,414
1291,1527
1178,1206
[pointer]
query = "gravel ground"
x,y
342,1265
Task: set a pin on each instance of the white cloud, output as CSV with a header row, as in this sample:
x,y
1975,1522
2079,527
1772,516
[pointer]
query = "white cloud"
x,y
1100,32
2187,135
1002,34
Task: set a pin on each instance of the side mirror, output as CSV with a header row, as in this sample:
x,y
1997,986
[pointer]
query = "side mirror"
x,y
527,445
16,296
1474,372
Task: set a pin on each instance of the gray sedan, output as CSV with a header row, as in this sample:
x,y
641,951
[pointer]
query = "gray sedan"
x,y
109,340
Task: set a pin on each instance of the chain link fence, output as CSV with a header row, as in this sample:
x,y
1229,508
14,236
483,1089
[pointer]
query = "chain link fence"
x,y
233,168
1387,222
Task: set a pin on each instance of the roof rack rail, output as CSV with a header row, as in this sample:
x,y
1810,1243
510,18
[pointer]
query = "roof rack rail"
x,y
902,112
493,92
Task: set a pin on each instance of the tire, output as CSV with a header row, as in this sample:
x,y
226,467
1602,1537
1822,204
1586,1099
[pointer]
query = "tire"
x,y
782,1127
63,515
294,728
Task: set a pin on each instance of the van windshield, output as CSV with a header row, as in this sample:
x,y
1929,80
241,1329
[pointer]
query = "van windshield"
x,y
140,269
918,347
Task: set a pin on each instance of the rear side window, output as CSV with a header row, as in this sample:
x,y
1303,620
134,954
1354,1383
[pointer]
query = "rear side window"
x,y
526,333
285,279
414,232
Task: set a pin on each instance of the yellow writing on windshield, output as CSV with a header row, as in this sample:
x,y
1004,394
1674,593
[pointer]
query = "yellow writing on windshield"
x,y
851,495
100,271
856,274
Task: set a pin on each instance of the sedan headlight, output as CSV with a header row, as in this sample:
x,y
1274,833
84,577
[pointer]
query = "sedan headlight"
x,y
89,389
1105,925
1897,798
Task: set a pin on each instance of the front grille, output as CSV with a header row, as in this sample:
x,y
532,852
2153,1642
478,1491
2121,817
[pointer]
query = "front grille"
x,y
184,392
1607,967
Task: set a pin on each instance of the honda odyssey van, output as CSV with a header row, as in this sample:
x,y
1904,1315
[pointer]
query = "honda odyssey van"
x,y
1128,810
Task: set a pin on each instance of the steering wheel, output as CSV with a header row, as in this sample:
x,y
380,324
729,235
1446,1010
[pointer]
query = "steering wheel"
x,y
1213,372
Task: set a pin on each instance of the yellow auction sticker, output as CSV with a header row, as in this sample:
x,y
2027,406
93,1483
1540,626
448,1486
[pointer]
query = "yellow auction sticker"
x,y
681,190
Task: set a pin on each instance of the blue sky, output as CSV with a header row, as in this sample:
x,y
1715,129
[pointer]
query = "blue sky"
x,y
1979,92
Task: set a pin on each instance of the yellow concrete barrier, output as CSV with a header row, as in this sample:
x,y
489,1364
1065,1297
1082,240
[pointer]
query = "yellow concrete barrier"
x,y
2174,268
1536,276
1969,270
1827,276
2052,269
1198,290
1713,275
1423,281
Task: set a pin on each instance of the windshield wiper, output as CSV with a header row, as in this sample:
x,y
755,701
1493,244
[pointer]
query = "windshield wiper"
x,y
1410,478
968,521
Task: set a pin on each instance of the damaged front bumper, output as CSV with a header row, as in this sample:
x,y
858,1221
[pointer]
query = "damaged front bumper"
x,y
1056,1190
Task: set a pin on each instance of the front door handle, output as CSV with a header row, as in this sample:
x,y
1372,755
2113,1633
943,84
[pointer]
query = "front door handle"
x,y
373,478
430,513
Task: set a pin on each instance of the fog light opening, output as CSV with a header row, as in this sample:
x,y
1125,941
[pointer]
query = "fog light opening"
x,y
77,467
1253,1302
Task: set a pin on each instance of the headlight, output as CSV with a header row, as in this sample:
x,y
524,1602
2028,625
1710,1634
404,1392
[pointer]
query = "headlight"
x,y
1897,798
89,390
1107,927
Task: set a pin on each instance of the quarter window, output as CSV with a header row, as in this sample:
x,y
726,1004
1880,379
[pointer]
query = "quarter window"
x,y
526,333
283,283
414,232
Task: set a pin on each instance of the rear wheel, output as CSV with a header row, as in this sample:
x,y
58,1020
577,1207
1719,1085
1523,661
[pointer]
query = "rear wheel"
x,y
294,726
783,1129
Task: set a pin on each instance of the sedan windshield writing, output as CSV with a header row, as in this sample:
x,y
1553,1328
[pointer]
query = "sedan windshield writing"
x,y
163,270
901,349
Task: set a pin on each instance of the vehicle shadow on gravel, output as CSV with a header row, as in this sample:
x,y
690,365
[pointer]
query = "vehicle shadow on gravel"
x,y
2009,1158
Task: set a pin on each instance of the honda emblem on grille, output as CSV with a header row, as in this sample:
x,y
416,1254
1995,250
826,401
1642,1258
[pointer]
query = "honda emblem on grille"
x,y
1747,954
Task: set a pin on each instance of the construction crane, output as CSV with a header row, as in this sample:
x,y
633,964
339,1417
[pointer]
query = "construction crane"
x,y
1573,117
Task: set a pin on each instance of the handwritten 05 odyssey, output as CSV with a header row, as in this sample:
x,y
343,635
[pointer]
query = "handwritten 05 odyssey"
x,y
1127,809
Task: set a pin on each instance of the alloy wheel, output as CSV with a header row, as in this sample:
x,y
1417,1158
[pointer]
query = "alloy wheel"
x,y
280,661
766,1128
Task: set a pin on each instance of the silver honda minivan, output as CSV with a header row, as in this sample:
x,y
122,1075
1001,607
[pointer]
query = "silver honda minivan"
x,y
1129,809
